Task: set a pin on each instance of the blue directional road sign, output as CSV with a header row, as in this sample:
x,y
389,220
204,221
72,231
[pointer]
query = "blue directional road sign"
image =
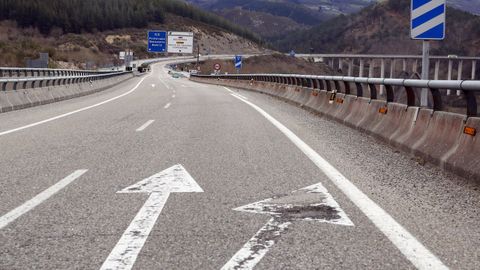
x,y
238,61
157,41
428,19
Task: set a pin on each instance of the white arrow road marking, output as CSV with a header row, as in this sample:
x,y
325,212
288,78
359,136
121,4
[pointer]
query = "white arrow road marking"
x,y
40,198
167,106
144,126
410,247
74,112
313,203
159,186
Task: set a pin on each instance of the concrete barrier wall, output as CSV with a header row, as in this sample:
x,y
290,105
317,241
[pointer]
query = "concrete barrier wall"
x,y
19,99
436,137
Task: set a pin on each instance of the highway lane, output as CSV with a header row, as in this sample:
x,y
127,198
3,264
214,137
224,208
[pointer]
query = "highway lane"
x,y
237,157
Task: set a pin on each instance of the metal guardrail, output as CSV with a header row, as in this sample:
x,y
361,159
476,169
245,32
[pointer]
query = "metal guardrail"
x,y
450,67
34,82
346,85
386,56
37,72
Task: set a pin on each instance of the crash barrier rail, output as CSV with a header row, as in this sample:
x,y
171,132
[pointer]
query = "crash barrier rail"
x,y
450,67
362,85
39,82
46,72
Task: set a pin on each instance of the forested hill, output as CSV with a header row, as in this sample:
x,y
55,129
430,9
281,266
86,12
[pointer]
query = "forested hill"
x,y
385,29
77,16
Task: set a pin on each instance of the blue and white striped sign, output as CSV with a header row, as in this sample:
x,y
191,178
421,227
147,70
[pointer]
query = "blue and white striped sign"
x,y
428,19
238,61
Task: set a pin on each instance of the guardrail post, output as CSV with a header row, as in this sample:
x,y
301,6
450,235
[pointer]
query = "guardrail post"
x,y
410,96
359,89
437,70
350,67
382,75
449,75
404,66
362,66
474,69
460,73
393,63
15,85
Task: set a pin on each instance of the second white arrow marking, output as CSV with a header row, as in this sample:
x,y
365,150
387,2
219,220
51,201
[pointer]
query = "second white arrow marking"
x,y
312,203
159,186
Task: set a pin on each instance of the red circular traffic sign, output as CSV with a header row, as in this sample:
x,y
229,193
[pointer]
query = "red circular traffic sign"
x,y
217,66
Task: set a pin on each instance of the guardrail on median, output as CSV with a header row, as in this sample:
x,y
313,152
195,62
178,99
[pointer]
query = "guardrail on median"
x,y
369,87
35,82
46,72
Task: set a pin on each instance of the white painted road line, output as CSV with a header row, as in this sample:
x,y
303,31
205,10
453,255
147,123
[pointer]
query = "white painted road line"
x,y
410,247
40,198
144,126
173,96
172,180
228,89
74,112
166,85
167,106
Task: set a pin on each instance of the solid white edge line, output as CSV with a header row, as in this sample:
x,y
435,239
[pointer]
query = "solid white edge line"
x,y
410,247
73,112
167,106
228,89
144,126
40,198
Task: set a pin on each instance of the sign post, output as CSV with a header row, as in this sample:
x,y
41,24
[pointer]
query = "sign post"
x,y
427,23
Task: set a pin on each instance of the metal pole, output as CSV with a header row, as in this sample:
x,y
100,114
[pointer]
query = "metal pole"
x,y
425,71
198,54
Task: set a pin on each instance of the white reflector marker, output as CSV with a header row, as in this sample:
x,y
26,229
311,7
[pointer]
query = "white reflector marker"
x,y
40,198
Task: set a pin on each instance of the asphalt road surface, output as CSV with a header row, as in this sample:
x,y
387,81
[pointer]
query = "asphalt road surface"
x,y
213,151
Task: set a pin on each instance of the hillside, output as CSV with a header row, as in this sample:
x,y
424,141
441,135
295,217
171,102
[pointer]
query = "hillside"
x,y
89,31
385,28
274,19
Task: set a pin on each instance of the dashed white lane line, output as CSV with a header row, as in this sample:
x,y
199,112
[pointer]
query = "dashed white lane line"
x,y
144,126
40,198
74,112
167,106
166,85
173,96
410,247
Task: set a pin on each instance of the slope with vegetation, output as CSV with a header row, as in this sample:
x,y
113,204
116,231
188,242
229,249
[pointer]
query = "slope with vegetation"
x,y
92,31
385,28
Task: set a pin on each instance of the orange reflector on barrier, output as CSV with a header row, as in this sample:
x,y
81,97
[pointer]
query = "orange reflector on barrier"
x,y
470,131
340,100
383,110
314,93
